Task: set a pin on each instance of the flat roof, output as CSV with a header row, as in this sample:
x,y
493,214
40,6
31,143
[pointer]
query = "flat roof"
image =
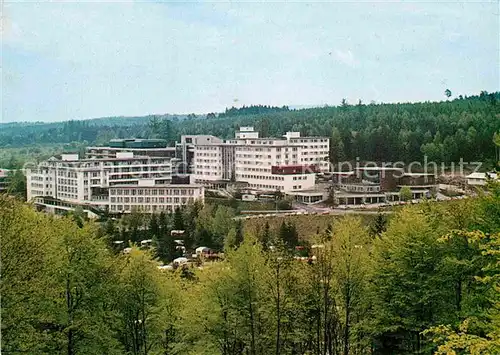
x,y
307,193
156,186
378,168
54,159
419,174
481,176
136,140
348,194
235,141
282,138
130,148
309,137
341,172
412,187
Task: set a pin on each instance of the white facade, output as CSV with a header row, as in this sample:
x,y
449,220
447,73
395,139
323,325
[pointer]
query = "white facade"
x,y
313,150
144,147
246,133
154,198
479,179
4,180
89,181
251,159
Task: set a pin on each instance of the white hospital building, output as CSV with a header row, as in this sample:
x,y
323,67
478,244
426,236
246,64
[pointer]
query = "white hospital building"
x,y
286,164
117,184
146,175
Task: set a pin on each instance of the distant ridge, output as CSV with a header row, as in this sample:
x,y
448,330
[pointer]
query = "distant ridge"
x,y
116,120
443,131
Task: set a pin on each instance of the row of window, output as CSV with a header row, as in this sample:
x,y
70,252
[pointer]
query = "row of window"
x,y
207,160
260,156
63,195
166,167
317,146
208,167
37,192
161,200
146,165
263,186
139,176
315,153
71,182
198,154
100,164
65,173
151,192
261,177
207,173
257,149
354,188
148,208
253,149
67,189
308,140
263,170
259,162
207,147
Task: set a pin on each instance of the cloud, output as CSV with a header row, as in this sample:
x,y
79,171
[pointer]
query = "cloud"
x,y
345,57
66,60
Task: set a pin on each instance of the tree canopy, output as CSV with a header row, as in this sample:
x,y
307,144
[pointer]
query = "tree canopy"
x,y
424,280
443,131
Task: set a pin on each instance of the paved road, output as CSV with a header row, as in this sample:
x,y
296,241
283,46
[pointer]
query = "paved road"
x,y
303,209
331,212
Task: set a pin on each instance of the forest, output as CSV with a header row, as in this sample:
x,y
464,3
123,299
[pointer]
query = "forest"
x,y
443,131
423,280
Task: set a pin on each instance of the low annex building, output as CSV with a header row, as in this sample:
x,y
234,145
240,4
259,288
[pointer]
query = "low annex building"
x,y
480,179
379,185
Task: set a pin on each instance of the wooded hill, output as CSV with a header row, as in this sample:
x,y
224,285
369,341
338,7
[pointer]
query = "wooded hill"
x,y
444,131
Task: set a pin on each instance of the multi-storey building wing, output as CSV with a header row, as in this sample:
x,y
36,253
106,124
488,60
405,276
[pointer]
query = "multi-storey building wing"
x,y
152,198
256,161
146,174
4,180
88,182
80,179
145,147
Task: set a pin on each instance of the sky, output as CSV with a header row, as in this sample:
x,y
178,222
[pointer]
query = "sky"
x,y
78,60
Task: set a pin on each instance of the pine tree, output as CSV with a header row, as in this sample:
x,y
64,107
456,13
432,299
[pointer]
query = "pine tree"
x,y
265,240
239,233
166,248
288,234
154,227
378,225
178,219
